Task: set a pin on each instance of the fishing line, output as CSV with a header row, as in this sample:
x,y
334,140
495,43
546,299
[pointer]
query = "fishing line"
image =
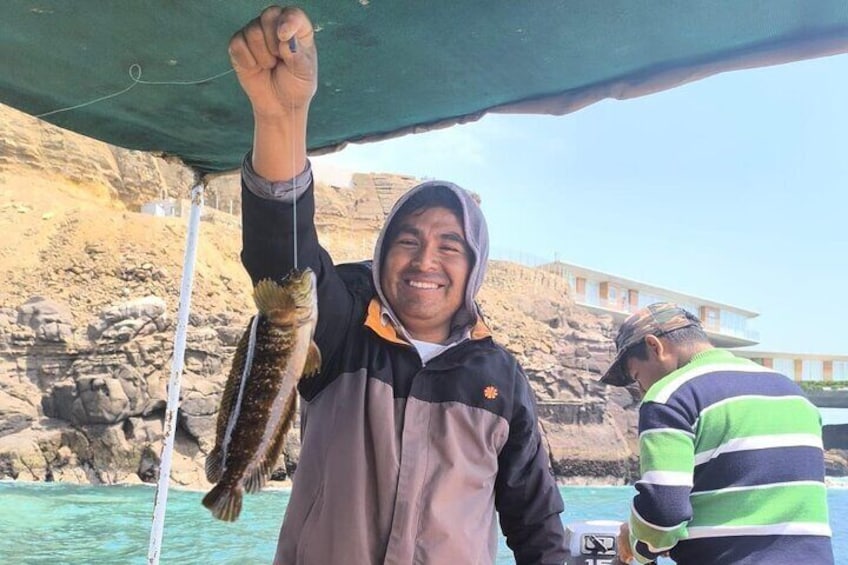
x,y
135,76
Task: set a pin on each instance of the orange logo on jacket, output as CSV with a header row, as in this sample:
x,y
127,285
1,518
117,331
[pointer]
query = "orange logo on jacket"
x,y
490,392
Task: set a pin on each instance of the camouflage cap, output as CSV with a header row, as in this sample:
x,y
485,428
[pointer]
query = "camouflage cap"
x,y
656,319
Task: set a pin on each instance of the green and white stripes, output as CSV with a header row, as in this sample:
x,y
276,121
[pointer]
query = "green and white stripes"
x,y
729,452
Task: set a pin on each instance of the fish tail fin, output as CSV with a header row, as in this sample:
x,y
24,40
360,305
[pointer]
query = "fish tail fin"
x,y
224,502
214,465
269,296
258,476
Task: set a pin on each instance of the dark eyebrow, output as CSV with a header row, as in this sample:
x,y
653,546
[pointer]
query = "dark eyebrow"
x,y
408,230
413,231
453,236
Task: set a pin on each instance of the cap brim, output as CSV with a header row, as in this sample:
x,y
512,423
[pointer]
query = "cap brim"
x,y
615,375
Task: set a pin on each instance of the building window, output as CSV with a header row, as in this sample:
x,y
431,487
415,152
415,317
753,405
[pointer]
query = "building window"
x,y
840,371
785,367
593,293
812,370
712,317
646,299
732,323
617,298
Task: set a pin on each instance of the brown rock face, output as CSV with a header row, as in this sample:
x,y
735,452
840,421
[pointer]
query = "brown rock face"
x,y
89,292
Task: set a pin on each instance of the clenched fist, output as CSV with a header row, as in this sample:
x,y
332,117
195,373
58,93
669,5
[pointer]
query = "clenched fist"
x,y
275,59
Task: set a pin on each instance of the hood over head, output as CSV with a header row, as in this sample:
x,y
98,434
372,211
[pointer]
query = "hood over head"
x,y
431,194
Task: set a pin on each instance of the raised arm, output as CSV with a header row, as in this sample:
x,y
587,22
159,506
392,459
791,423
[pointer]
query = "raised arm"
x,y
276,62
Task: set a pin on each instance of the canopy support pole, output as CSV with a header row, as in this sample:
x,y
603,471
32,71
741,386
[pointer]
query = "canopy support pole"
x,y
177,362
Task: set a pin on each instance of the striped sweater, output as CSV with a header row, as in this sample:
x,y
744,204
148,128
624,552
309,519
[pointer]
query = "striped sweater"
x,y
732,468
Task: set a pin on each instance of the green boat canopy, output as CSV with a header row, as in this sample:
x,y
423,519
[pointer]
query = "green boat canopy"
x,y
138,74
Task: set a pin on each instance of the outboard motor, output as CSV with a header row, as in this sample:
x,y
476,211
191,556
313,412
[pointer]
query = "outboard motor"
x,y
593,542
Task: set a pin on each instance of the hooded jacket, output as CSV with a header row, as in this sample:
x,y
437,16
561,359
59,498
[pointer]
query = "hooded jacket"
x,y
402,462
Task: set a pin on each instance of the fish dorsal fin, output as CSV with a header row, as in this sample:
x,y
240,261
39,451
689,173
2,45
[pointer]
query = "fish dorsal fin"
x,y
215,459
256,477
313,360
270,296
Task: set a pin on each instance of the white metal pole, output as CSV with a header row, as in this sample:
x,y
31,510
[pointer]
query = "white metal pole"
x,y
177,362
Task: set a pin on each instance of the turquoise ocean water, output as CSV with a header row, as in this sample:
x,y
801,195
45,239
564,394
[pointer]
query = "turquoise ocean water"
x,y
49,523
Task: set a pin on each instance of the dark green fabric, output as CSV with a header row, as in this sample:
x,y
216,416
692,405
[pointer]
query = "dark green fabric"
x,y
385,65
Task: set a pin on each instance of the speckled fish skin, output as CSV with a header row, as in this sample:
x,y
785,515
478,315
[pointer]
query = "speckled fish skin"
x,y
259,400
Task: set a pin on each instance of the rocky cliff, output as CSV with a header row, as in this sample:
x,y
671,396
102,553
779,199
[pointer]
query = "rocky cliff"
x,y
89,291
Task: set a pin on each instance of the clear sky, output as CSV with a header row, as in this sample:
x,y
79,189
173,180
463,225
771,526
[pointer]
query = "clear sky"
x,y
733,188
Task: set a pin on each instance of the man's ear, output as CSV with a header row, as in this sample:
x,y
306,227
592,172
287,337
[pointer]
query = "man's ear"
x,y
655,345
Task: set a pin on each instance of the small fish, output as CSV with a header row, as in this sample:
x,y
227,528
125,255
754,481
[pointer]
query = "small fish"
x,y
260,398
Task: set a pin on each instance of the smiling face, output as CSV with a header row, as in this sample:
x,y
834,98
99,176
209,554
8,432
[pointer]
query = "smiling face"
x,y
425,272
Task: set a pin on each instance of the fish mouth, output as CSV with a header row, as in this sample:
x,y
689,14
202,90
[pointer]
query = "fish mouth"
x,y
299,277
304,313
300,284
282,300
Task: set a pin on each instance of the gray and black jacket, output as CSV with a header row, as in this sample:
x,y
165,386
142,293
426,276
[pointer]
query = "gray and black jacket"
x,y
402,462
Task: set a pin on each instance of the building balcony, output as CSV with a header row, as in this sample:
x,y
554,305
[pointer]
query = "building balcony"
x,y
720,336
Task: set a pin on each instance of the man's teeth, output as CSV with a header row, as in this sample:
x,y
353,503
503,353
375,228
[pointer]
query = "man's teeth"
x,y
427,285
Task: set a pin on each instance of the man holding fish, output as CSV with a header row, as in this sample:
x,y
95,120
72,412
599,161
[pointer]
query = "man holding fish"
x,y
417,427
